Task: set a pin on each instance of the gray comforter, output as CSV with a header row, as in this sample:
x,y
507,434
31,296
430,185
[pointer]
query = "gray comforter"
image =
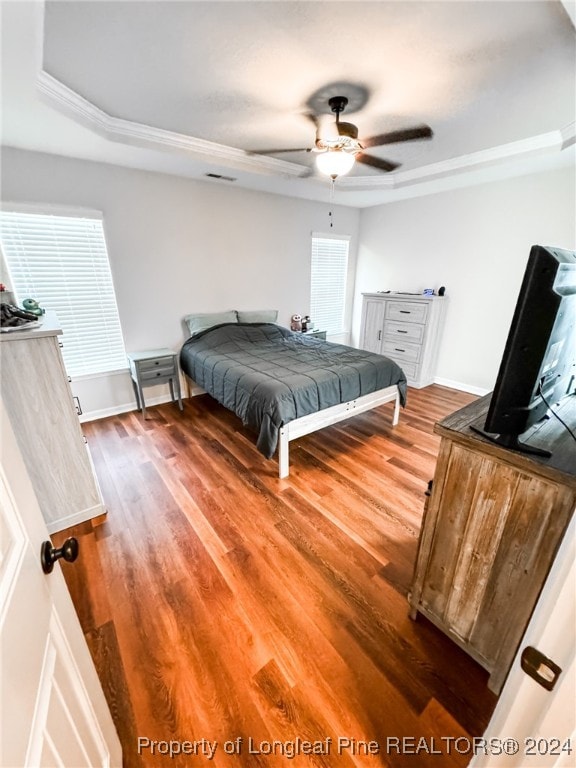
x,y
268,375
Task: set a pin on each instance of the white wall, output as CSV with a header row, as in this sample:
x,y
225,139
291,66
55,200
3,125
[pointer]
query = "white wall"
x,y
474,241
178,246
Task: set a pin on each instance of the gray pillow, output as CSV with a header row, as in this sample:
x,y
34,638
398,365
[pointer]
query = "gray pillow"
x,y
204,320
258,316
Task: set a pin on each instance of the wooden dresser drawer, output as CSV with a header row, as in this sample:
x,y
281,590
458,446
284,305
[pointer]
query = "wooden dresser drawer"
x,y
401,351
408,331
495,520
407,311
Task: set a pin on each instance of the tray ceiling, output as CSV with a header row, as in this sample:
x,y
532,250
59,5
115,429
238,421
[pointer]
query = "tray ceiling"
x,y
188,87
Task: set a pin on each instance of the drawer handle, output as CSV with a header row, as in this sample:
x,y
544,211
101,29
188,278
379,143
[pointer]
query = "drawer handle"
x,y
399,331
405,312
397,349
159,373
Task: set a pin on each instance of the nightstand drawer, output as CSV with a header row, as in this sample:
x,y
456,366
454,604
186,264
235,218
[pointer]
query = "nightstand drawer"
x,y
316,334
401,351
157,373
152,367
409,331
166,363
407,311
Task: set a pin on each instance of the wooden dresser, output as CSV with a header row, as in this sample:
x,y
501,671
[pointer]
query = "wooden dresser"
x,y
491,529
407,328
39,401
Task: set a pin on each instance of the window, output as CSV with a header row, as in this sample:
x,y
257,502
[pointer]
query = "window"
x,y
62,262
328,282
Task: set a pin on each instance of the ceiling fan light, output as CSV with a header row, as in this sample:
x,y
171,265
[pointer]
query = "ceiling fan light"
x,y
334,162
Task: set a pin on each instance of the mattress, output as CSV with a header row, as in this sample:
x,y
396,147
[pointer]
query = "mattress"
x,y
269,376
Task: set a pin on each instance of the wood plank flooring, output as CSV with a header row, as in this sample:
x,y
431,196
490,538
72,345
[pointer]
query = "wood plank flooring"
x,y
223,605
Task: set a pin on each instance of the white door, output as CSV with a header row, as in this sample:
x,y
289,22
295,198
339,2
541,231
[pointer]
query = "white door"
x,y
53,710
531,726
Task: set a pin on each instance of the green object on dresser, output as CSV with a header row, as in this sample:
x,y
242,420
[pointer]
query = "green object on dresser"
x,y
152,367
31,305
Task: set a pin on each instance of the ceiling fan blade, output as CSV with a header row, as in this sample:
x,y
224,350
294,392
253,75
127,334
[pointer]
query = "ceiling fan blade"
x,y
276,151
307,173
405,134
376,162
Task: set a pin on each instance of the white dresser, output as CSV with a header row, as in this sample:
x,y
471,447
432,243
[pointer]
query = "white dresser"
x,y
37,396
406,328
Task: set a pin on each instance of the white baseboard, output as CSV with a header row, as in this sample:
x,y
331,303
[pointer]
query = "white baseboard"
x,y
125,408
462,387
196,390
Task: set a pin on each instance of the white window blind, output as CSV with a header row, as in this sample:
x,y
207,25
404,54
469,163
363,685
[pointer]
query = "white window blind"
x,y
328,282
62,262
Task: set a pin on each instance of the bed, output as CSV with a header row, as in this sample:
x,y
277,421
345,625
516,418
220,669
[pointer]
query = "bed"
x,y
284,384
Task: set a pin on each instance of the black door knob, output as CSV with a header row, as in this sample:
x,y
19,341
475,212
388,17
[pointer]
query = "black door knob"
x,y
49,554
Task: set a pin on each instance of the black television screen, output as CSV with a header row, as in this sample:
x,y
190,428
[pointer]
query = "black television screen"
x,y
538,367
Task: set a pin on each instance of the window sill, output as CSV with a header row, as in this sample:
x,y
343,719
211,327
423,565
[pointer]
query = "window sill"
x,y
88,376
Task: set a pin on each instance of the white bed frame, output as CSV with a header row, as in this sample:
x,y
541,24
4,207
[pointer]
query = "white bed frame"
x,y
324,418
306,424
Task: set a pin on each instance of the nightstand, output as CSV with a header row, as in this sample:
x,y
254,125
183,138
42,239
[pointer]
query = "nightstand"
x,y
316,334
155,366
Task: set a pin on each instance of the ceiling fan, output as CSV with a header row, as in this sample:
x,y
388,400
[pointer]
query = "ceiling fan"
x,y
337,146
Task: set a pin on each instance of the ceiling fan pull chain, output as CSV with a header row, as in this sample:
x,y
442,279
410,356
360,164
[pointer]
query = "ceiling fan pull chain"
x,y
330,216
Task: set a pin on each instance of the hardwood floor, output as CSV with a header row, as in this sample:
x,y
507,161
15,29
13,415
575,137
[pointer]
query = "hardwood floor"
x,y
222,604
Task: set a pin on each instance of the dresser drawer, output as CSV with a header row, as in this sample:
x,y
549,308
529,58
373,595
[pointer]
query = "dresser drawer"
x,y
410,369
406,311
401,351
405,327
408,331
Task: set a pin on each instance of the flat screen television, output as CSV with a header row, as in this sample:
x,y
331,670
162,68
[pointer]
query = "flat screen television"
x,y
538,368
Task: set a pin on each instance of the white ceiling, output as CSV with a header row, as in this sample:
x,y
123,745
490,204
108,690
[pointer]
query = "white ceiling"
x,y
187,87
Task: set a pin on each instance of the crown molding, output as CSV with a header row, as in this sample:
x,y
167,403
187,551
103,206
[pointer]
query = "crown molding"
x,y
84,112
535,146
